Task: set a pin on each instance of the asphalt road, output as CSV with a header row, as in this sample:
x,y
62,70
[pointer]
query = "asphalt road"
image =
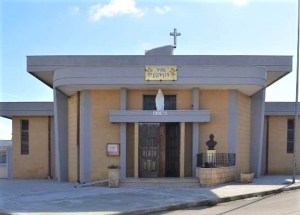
x,y
286,203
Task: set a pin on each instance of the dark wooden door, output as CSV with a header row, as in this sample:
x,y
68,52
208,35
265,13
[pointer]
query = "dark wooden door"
x,y
172,150
148,150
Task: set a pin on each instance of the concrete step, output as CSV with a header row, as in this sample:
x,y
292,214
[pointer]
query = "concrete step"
x,y
101,183
159,182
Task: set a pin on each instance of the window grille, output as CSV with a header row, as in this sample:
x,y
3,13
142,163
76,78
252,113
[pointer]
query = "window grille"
x,y
290,136
24,137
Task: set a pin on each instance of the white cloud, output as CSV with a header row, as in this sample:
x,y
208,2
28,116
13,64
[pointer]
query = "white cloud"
x,y
240,3
163,10
74,9
113,8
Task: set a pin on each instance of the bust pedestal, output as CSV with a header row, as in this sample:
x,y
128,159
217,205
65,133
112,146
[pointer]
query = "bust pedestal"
x,y
211,156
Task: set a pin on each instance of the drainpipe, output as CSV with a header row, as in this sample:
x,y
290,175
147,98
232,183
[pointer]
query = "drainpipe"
x,y
78,136
49,147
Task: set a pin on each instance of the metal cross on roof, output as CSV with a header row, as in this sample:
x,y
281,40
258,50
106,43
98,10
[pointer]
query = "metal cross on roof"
x,y
175,34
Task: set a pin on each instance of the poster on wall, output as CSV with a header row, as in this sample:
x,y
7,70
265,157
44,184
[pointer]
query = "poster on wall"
x,y
113,149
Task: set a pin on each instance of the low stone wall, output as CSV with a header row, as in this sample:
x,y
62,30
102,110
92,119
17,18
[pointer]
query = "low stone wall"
x,y
213,176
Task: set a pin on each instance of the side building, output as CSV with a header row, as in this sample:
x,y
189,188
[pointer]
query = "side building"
x,y
33,148
279,138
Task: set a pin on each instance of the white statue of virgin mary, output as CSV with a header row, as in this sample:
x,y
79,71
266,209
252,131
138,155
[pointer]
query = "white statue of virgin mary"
x,y
160,101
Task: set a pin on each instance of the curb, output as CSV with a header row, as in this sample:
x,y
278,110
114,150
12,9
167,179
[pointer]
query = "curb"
x,y
207,202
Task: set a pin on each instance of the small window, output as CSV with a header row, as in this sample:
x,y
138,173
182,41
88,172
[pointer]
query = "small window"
x,y
290,136
24,137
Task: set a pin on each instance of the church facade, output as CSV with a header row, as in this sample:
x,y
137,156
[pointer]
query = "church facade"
x,y
104,113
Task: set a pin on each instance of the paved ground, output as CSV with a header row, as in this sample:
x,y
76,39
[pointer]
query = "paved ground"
x,y
50,197
285,203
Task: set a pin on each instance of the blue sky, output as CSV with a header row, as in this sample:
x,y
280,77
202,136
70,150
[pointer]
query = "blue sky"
x,y
121,27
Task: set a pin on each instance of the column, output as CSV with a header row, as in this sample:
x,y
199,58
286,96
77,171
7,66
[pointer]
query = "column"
x,y
61,135
123,98
85,136
232,137
232,121
136,149
52,137
257,130
195,132
182,145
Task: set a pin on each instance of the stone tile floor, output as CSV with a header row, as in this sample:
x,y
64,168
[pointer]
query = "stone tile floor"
x,y
51,197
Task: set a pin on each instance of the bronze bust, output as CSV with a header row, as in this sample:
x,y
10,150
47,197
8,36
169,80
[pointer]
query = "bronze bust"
x,y
211,143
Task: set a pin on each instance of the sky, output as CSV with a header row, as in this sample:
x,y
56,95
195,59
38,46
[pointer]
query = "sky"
x,y
129,27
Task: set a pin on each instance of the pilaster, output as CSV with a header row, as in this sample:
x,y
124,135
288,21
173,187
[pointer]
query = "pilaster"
x,y
195,132
123,163
182,147
85,136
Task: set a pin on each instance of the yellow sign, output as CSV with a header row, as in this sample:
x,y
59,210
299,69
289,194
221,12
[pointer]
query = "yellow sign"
x,y
161,73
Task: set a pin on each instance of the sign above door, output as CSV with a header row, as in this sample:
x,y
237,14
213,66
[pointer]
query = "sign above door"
x,y
161,73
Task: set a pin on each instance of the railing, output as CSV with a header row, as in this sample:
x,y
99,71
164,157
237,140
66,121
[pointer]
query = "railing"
x,y
215,160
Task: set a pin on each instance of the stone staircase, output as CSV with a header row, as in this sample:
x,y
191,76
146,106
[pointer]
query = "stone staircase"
x,y
159,182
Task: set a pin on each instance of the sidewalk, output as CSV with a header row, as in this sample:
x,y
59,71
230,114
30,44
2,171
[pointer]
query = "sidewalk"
x,y
50,197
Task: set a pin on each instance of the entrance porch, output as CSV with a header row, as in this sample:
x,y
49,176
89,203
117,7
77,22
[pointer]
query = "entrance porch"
x,y
146,158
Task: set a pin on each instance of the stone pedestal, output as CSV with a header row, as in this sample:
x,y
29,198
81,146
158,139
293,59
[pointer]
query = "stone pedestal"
x,y
211,156
247,177
113,177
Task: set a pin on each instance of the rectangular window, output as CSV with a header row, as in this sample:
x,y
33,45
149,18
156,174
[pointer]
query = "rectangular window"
x,y
24,137
149,102
290,136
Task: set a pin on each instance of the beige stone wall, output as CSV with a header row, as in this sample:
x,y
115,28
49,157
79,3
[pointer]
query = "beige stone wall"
x,y
72,138
217,102
102,131
243,144
35,164
279,161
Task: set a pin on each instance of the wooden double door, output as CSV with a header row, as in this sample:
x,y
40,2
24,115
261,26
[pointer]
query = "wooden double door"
x,y
149,150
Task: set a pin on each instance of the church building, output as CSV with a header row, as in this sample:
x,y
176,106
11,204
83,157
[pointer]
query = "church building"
x,y
107,111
